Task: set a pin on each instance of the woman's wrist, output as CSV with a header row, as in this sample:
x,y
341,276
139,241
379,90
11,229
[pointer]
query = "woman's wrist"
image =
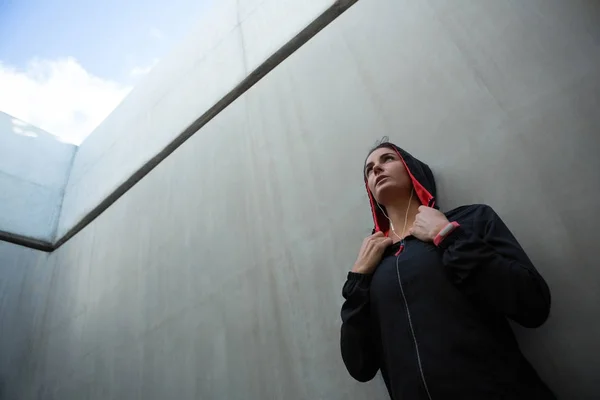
x,y
359,269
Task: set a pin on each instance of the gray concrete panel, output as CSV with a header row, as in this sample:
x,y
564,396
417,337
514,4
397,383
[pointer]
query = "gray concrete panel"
x,y
213,26
28,209
25,283
273,23
34,168
219,275
230,41
216,75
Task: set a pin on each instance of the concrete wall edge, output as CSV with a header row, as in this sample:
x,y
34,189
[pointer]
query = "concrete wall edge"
x,y
29,242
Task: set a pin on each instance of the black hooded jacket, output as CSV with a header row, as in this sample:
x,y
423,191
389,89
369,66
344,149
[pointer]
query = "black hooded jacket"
x,y
433,319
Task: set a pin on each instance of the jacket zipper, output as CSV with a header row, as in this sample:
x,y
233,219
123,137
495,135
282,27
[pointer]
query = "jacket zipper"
x,y
412,330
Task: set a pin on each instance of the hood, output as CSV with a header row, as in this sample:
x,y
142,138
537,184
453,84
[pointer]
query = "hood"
x,y
423,184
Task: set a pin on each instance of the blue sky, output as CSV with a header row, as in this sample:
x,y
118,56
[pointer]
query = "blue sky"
x,y
114,41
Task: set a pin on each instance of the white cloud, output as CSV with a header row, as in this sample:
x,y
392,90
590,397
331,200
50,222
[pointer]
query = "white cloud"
x,y
59,96
156,33
137,72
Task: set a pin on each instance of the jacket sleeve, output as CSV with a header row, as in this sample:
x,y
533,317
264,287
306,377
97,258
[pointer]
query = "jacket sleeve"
x,y
490,266
357,345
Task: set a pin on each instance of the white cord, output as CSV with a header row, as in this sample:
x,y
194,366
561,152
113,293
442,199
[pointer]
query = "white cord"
x,y
412,329
405,215
410,324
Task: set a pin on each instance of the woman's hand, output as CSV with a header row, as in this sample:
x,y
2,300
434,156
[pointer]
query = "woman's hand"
x,y
370,253
428,223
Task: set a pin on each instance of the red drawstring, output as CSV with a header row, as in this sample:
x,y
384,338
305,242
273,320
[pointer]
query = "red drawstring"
x,y
401,249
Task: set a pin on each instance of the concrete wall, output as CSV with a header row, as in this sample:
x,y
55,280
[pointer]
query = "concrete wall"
x,y
218,276
229,42
34,168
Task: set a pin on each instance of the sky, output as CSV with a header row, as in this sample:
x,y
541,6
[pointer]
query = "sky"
x,y
66,64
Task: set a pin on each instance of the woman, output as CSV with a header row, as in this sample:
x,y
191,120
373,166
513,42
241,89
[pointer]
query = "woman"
x,y
427,299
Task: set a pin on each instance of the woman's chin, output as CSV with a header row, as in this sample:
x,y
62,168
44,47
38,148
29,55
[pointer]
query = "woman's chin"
x,y
387,192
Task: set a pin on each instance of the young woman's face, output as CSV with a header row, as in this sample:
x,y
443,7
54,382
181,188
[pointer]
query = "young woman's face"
x,y
386,175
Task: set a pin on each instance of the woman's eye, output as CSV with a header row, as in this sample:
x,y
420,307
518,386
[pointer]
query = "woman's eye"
x,y
388,158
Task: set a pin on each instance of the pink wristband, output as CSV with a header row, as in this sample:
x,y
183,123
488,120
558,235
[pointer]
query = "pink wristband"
x,y
445,232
